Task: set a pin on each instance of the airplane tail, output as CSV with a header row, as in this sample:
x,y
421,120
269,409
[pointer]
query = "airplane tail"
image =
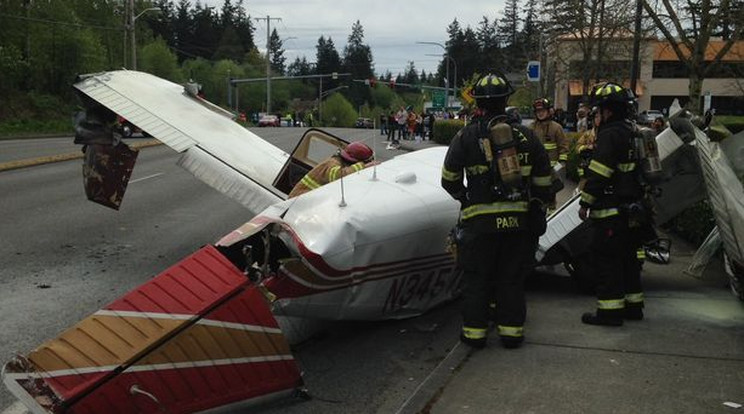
x,y
197,337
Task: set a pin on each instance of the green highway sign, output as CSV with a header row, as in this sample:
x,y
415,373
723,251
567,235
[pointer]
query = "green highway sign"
x,y
437,99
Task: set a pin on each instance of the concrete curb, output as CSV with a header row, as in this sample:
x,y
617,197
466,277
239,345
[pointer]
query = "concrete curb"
x,y
30,162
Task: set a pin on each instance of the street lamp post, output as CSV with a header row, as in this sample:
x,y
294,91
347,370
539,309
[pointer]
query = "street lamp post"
x,y
132,30
446,85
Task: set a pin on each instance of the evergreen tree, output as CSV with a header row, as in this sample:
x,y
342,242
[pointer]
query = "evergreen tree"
x,y
300,67
410,76
508,32
358,62
490,50
327,61
276,51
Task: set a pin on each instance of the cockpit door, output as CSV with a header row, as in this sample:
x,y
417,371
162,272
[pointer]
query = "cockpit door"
x,y
314,147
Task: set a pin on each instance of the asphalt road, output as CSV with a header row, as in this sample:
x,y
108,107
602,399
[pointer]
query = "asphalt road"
x,y
64,257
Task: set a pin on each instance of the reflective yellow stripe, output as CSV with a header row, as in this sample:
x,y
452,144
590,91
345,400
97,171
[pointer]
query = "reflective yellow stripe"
x,y
515,331
358,166
473,333
333,173
626,167
601,169
451,175
308,182
611,304
581,172
526,170
582,148
563,157
477,169
641,254
494,208
588,198
492,305
604,213
553,163
550,145
634,297
542,180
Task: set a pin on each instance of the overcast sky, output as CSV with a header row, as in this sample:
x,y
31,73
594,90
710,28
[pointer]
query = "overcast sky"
x,y
391,27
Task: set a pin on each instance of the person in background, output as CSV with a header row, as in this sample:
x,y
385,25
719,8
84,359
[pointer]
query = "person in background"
x,y
582,119
353,158
383,124
658,125
585,145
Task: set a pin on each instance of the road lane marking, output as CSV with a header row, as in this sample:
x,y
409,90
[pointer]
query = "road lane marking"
x,y
146,178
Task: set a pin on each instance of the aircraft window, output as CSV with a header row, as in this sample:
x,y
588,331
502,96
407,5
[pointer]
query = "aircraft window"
x,y
320,149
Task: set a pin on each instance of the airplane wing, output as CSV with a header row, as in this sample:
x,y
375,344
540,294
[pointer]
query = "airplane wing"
x,y
199,336
215,149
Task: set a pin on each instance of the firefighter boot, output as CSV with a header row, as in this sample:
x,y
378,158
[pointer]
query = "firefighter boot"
x,y
479,343
602,319
474,337
633,312
511,342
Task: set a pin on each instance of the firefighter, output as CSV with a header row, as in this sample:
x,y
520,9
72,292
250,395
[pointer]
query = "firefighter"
x,y
508,178
549,132
353,158
612,199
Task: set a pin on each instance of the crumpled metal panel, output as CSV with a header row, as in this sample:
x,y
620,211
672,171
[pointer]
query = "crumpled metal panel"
x,y
725,193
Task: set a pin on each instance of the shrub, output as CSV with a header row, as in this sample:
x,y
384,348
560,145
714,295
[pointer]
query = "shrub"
x,y
445,130
735,124
572,164
695,223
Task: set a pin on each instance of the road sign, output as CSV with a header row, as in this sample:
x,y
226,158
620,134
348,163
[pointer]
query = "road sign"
x,y
533,71
467,95
437,99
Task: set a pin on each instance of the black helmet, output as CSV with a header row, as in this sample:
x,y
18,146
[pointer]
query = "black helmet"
x,y
609,93
492,86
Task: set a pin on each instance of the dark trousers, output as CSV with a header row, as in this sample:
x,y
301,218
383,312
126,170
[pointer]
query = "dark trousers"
x,y
494,269
614,252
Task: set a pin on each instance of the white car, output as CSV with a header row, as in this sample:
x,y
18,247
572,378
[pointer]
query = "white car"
x,y
648,116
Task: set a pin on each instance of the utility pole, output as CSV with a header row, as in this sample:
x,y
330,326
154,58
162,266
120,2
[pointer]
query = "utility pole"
x,y
131,34
268,58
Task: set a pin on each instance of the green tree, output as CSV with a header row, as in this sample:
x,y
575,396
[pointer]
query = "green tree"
x,y
358,62
338,112
157,58
230,46
276,51
327,60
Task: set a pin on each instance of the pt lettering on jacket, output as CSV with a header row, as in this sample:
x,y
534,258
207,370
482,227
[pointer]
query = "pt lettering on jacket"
x,y
510,222
524,158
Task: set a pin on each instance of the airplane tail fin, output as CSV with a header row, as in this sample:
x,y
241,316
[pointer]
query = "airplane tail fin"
x,y
199,336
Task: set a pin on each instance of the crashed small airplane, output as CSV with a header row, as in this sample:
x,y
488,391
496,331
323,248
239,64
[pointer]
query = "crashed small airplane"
x,y
211,332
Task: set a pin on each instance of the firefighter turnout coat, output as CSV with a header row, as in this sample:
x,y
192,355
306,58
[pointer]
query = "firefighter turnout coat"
x,y
329,170
550,134
613,194
483,204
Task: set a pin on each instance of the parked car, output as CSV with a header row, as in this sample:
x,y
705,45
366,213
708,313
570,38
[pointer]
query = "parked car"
x,y
648,116
364,123
269,121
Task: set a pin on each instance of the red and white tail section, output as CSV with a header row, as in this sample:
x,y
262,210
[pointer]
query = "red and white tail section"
x,y
198,336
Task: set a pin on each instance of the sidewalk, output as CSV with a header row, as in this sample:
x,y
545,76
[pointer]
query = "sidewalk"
x,y
687,356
